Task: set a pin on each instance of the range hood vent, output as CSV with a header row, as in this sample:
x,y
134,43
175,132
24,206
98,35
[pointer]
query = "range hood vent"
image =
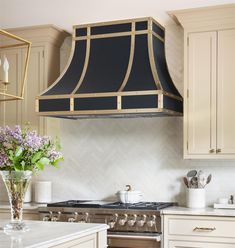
x,y
116,69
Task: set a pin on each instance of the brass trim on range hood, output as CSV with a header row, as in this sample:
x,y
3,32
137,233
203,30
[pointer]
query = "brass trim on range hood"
x,y
116,69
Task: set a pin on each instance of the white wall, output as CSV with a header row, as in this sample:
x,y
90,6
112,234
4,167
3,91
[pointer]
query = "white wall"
x,y
101,156
65,13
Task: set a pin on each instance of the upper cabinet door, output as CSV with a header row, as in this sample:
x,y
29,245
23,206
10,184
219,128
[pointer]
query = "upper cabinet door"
x,y
34,85
201,101
226,92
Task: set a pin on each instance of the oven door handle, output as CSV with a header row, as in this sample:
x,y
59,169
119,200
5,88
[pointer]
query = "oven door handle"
x,y
156,238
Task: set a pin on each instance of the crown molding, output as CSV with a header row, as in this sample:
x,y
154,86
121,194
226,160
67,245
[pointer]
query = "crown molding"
x,y
41,34
205,18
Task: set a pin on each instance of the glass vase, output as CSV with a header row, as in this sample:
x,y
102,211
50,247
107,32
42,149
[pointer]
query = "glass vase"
x,y
16,183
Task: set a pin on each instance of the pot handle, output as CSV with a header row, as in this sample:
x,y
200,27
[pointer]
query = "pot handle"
x,y
128,187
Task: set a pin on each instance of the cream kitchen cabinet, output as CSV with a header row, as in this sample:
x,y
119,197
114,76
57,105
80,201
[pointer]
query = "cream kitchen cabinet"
x,y
183,244
209,81
44,68
184,231
28,214
97,240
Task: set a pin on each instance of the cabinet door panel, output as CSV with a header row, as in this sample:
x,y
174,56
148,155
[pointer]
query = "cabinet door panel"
x,y
202,93
226,92
10,108
34,85
194,244
89,241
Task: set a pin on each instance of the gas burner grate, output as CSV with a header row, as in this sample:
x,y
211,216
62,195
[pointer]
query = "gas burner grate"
x,y
70,203
139,206
112,205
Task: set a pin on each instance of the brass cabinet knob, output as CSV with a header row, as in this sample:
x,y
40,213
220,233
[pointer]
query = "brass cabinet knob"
x,y
218,150
211,150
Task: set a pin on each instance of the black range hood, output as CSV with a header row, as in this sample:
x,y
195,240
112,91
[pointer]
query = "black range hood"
x,y
116,69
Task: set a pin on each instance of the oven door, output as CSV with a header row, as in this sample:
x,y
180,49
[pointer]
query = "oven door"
x,y
133,240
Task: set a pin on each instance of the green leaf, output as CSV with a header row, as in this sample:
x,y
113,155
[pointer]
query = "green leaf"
x,y
28,167
11,155
39,165
19,151
23,165
18,167
36,157
42,162
55,162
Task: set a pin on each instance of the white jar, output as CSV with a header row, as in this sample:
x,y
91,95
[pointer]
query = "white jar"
x,y
196,198
43,192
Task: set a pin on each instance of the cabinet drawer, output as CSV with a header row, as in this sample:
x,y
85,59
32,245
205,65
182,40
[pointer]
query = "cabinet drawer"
x,y
183,244
202,226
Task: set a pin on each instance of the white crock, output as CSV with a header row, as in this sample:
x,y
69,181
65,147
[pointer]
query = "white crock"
x,y
196,198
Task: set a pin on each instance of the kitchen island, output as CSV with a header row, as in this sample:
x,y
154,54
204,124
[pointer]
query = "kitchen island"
x,y
56,234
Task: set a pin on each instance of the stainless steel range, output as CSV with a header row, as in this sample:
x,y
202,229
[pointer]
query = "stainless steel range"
x,y
131,225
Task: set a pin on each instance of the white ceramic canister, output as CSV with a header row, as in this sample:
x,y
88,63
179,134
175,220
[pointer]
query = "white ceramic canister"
x,y
43,192
196,198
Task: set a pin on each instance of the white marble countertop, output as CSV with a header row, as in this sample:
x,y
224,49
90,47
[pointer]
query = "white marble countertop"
x,y
27,206
48,234
204,212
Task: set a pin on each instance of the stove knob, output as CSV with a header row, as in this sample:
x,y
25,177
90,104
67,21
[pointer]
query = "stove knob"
x,y
123,221
48,217
132,222
84,218
141,222
113,221
56,218
74,218
152,222
111,224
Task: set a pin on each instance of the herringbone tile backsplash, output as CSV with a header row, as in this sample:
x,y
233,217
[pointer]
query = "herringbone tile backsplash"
x,y
102,156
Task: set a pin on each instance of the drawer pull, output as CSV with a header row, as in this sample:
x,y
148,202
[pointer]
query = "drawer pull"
x,y
204,229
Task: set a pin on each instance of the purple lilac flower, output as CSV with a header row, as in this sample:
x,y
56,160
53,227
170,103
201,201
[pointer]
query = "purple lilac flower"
x,y
13,138
4,161
53,155
17,134
32,141
8,135
45,140
2,135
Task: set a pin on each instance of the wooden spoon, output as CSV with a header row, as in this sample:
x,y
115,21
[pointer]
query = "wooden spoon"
x,y
201,179
186,181
192,173
208,180
194,182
